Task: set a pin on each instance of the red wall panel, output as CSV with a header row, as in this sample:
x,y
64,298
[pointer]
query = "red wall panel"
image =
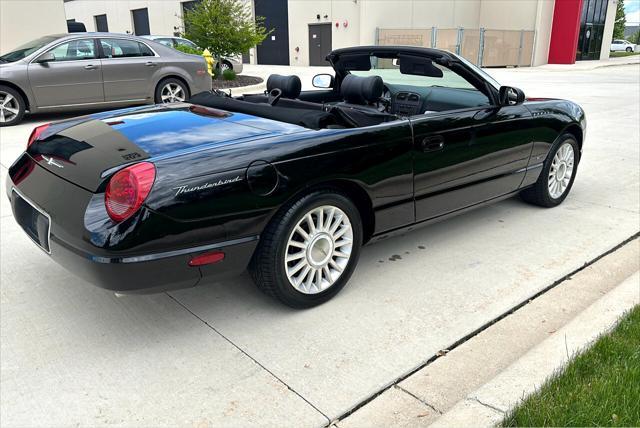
x,y
564,31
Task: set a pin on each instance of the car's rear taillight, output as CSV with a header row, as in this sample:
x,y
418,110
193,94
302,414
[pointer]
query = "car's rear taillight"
x,y
36,133
128,189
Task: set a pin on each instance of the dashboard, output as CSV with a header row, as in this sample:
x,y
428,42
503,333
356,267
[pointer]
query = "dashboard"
x,y
409,100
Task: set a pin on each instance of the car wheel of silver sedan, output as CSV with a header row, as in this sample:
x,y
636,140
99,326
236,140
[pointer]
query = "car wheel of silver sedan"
x,y
309,250
12,106
171,91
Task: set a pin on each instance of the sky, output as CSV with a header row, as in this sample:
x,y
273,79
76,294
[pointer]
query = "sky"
x,y
632,11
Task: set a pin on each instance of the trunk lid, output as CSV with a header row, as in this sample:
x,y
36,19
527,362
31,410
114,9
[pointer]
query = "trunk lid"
x,y
87,150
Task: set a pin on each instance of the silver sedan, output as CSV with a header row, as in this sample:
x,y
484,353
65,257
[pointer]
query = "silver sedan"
x,y
95,70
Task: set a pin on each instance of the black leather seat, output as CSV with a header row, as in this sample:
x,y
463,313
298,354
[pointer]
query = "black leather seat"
x,y
360,107
289,85
359,92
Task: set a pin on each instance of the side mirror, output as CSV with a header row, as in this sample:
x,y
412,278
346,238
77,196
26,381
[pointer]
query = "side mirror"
x,y
46,57
324,81
510,96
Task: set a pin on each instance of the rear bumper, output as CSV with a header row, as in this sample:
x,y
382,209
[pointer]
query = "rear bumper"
x,y
152,273
70,242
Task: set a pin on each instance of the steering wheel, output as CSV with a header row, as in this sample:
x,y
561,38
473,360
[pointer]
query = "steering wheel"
x,y
384,102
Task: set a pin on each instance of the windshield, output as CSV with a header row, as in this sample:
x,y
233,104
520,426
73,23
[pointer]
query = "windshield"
x,y
389,70
481,72
27,49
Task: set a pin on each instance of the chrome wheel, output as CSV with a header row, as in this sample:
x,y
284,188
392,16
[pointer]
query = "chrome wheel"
x,y
9,107
172,93
561,171
225,66
319,249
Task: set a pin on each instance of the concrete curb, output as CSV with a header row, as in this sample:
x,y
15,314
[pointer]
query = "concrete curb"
x,y
260,87
590,65
488,405
454,378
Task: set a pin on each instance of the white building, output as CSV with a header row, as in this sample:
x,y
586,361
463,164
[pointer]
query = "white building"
x,y
24,20
494,32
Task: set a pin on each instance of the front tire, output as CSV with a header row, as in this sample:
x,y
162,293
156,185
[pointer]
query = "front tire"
x,y
557,176
12,106
171,90
309,250
629,49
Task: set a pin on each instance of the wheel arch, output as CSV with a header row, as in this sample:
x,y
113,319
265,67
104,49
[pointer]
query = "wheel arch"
x,y
174,76
20,91
355,192
575,130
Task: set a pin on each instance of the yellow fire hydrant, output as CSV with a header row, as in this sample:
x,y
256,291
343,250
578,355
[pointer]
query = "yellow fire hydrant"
x,y
209,59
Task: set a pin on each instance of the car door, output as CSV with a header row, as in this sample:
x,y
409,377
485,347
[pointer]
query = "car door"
x,y
72,76
468,156
128,67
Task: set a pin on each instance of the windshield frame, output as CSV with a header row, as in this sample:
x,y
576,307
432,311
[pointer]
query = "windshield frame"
x,y
493,82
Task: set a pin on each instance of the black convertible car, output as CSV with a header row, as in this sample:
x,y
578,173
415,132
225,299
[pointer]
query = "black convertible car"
x,y
287,183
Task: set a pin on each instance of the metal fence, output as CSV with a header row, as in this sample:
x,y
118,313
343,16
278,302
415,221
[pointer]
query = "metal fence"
x,y
483,47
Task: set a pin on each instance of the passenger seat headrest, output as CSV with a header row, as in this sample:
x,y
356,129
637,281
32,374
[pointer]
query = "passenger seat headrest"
x,y
289,85
361,90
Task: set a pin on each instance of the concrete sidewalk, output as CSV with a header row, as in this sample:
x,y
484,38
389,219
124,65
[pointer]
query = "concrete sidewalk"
x,y
482,378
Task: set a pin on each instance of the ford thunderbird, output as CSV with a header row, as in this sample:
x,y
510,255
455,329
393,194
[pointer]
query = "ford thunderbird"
x,y
288,184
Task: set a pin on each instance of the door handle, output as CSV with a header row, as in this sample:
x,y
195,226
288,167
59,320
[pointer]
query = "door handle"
x,y
432,144
150,64
90,67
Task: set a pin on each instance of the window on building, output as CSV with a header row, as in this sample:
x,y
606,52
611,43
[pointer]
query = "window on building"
x,y
140,18
75,50
187,6
121,48
101,23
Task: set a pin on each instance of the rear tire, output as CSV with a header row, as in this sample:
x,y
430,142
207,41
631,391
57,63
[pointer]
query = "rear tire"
x,y
12,106
557,176
171,90
309,250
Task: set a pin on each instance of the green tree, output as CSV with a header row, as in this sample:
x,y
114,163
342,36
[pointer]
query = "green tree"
x,y
621,20
225,27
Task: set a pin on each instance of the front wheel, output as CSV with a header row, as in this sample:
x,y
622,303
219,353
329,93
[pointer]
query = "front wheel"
x,y
629,49
557,176
12,106
171,90
309,250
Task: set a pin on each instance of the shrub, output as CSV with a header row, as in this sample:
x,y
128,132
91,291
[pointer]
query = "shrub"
x,y
229,74
189,50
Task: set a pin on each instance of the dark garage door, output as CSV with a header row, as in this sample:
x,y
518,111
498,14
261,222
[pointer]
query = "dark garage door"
x,y
141,22
319,43
275,48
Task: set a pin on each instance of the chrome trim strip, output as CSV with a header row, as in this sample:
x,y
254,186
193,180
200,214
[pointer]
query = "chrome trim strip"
x,y
41,211
157,256
94,103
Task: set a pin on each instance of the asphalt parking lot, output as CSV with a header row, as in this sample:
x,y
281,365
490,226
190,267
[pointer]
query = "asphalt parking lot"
x,y
226,355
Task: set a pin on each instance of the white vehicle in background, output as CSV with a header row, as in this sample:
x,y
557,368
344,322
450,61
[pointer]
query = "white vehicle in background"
x,y
622,46
234,63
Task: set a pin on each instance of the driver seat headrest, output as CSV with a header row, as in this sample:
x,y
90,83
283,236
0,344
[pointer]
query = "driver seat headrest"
x,y
361,90
289,85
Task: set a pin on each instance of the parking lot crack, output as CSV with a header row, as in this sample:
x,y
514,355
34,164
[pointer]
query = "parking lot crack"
x,y
250,357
